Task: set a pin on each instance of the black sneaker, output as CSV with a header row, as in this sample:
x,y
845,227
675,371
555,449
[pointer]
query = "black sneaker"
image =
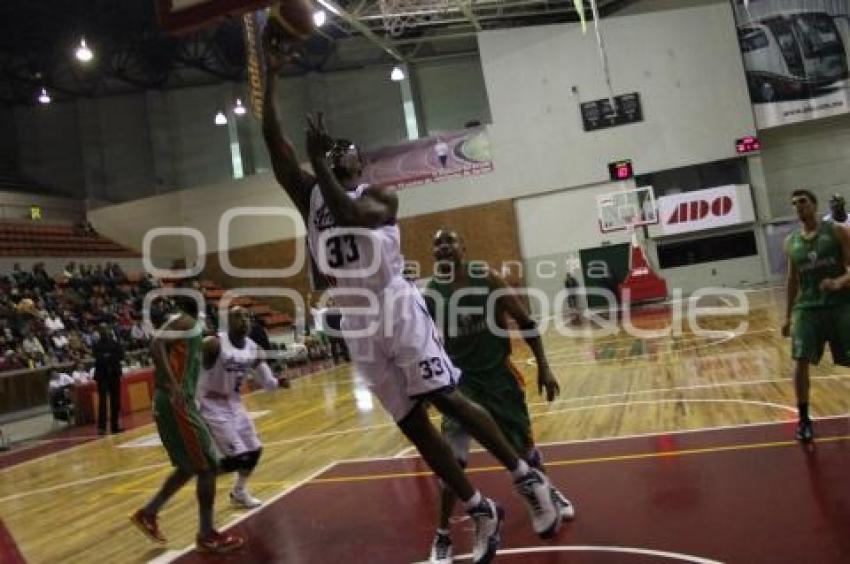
x,y
805,431
488,517
441,549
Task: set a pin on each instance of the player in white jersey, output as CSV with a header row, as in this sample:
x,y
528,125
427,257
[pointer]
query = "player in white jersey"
x,y
394,345
228,359
837,212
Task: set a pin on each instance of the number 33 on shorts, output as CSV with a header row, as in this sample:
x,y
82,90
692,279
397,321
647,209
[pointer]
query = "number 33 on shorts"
x,y
431,367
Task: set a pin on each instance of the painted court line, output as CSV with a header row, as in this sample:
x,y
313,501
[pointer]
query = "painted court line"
x,y
595,460
729,384
172,555
66,485
616,549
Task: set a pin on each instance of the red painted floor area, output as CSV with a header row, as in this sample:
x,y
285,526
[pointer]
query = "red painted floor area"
x,y
9,553
747,495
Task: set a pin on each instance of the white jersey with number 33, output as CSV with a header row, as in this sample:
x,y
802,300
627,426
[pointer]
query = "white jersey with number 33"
x,y
361,258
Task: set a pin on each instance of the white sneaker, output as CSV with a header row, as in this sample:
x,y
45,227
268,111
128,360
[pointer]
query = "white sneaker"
x,y
488,517
566,509
536,490
244,499
441,549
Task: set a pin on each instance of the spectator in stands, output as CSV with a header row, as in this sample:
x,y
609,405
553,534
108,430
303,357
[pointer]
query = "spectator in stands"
x,y
53,322
70,271
58,380
80,375
61,345
108,356
138,337
19,277
76,348
33,347
42,280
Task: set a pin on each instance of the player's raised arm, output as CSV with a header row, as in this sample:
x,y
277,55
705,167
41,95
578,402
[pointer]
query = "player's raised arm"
x,y
289,174
374,208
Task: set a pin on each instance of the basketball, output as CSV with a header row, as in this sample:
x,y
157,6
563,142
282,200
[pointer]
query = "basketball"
x,y
294,18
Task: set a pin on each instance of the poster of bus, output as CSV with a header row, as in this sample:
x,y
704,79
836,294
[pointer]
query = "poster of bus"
x,y
795,55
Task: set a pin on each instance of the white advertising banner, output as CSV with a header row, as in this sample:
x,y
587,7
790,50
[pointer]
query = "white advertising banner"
x,y
796,57
700,209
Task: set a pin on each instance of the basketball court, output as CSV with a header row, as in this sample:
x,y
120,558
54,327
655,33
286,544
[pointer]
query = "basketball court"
x,y
673,450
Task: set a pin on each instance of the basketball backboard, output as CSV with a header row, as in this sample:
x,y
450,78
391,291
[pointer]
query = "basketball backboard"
x,y
626,209
182,16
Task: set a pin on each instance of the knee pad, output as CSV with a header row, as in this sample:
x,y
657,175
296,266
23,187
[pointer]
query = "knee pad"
x,y
245,461
253,459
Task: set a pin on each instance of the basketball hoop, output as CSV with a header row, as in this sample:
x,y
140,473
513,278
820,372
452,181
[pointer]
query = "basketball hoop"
x,y
398,15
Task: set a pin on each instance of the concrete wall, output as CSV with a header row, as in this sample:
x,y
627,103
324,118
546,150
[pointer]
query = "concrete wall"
x,y
49,146
813,155
452,93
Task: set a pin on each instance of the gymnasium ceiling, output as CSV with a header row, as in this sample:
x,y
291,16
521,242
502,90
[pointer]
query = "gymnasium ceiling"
x,y
38,37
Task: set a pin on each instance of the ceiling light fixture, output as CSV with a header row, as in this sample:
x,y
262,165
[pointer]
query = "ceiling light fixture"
x,y
83,53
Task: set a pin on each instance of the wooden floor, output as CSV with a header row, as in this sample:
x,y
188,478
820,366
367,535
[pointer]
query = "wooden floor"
x,y
72,506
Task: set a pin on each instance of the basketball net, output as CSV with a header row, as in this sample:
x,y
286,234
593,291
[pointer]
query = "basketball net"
x,y
398,15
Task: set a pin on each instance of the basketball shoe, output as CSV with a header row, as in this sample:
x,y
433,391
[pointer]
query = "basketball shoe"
x,y
566,509
219,543
148,526
488,517
536,491
441,549
244,499
805,431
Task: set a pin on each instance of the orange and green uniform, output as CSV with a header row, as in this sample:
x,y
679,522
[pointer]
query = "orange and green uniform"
x,y
819,317
488,378
181,428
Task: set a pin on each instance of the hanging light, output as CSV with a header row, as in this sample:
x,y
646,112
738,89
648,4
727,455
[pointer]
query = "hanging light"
x,y
239,109
397,74
83,53
320,17
220,119
44,97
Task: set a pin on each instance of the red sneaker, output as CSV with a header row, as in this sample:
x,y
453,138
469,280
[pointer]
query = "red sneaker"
x,y
148,526
219,543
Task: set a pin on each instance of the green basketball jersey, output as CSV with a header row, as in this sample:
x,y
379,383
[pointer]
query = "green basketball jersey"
x,y
470,343
184,356
816,258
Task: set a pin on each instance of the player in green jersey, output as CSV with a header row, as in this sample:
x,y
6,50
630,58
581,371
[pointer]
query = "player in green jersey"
x,y
818,305
489,378
177,361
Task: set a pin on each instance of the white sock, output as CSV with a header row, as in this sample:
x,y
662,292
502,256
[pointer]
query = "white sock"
x,y
474,501
241,482
521,470
443,532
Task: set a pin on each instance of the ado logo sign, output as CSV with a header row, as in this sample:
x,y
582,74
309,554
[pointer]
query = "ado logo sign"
x,y
697,210
701,209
